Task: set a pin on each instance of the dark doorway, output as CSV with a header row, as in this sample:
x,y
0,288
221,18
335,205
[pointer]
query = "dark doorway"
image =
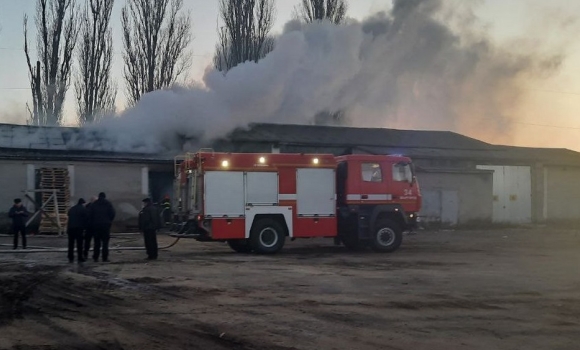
x,y
160,184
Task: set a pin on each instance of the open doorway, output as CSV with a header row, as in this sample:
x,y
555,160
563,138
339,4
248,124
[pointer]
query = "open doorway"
x,y
160,185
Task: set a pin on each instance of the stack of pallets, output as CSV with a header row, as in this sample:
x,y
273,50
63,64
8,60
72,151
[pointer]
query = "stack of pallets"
x,y
57,179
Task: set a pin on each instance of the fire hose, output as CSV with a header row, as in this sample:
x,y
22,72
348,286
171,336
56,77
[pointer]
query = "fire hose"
x,y
64,250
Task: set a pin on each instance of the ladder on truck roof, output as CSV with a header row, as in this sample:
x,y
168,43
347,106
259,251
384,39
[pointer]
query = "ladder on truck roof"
x,y
187,157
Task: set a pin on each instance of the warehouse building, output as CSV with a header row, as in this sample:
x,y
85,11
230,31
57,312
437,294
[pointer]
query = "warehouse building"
x,y
34,160
463,181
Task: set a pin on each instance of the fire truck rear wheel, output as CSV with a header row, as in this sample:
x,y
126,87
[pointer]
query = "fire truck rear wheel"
x,y
267,236
240,245
387,236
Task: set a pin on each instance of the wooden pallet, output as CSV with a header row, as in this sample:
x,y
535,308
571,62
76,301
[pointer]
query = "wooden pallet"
x,y
58,179
47,225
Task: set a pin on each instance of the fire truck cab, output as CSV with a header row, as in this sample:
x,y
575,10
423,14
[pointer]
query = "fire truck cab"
x,y
255,201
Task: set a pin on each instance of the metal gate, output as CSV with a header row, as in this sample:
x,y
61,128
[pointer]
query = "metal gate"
x,y
512,193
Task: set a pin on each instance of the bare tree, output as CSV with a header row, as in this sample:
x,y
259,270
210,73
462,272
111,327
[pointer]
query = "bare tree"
x,y
57,30
318,10
93,86
334,11
155,41
245,33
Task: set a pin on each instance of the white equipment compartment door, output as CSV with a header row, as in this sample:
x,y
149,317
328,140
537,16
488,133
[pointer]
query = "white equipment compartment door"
x,y
261,188
316,192
224,193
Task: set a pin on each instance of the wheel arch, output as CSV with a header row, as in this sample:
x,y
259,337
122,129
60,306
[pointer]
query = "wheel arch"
x,y
392,212
282,215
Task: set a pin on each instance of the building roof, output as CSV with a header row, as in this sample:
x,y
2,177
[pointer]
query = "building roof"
x,y
353,136
496,154
412,143
33,142
64,143
59,155
77,139
30,137
50,138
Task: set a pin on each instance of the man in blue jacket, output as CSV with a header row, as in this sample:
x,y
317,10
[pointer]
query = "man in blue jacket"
x,y
18,214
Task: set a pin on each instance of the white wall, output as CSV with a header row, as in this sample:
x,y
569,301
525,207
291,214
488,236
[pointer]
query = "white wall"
x,y
122,182
13,181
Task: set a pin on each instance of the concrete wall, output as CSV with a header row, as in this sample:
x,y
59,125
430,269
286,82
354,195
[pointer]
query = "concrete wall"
x,y
12,183
562,193
469,194
125,184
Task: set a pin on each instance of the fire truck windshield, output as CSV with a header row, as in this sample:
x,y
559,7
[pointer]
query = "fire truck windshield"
x,y
403,172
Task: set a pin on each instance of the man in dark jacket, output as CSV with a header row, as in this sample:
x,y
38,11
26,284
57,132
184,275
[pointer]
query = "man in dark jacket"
x,y
18,214
77,222
101,216
149,223
88,231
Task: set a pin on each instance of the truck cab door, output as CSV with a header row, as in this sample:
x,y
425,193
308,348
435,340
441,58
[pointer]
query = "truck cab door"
x,y
403,186
373,183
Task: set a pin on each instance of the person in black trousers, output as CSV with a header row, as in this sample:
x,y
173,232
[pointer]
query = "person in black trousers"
x,y
77,222
101,216
18,214
149,223
88,231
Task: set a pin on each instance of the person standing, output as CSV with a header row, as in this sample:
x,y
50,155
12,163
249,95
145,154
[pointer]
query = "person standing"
x,y
18,213
149,223
77,222
166,205
88,231
101,216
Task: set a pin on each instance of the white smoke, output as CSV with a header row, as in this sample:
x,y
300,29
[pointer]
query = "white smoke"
x,y
13,113
402,69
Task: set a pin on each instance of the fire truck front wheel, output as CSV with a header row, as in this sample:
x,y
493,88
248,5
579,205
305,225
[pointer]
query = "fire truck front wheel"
x,y
387,236
240,245
267,236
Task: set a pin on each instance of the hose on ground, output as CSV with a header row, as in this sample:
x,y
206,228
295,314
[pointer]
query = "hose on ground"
x,y
64,250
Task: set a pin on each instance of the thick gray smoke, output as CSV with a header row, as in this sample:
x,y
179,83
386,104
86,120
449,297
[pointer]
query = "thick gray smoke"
x,y
401,69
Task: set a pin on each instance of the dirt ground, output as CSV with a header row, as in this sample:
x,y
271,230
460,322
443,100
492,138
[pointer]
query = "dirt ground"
x,y
495,289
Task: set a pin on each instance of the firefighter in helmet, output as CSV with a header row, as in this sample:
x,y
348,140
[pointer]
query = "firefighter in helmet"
x,y
166,207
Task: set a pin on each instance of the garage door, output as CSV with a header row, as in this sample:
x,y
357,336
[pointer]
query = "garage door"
x,y
512,193
441,206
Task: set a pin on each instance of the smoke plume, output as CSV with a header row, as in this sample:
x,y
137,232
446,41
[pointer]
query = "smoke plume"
x,y
405,68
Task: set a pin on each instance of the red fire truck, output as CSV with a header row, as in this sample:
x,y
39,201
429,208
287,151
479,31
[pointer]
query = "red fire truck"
x,y
255,201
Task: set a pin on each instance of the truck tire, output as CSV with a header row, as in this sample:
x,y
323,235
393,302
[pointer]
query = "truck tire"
x,y
387,236
240,245
267,236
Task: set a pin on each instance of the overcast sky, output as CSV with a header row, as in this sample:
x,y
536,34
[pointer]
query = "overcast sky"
x,y
557,103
